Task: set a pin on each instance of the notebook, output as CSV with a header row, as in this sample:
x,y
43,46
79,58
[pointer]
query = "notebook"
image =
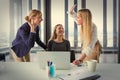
x,y
61,59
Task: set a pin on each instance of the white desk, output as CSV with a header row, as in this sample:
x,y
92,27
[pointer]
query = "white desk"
x,y
32,71
109,71
21,71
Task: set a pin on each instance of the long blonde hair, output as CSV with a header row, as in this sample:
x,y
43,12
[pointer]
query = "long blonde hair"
x,y
33,13
86,27
54,35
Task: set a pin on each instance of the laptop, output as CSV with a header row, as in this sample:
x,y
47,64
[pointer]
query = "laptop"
x,y
61,59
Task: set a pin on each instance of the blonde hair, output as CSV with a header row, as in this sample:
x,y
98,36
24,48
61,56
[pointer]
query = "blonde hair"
x,y
86,27
54,35
33,13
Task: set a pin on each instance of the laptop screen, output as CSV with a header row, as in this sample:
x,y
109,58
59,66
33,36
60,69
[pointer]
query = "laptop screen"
x,y
61,59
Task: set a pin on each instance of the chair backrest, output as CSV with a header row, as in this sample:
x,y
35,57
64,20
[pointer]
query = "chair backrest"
x,y
72,56
98,49
2,57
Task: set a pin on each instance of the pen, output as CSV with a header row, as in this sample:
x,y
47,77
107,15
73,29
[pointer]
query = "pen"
x,y
60,78
51,63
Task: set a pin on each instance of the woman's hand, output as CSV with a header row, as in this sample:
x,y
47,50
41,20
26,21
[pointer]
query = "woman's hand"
x,y
80,60
72,9
77,62
32,27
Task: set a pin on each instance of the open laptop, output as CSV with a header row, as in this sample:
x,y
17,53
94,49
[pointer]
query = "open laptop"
x,y
61,59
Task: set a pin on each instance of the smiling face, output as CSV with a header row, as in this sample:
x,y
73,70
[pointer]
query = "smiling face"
x,y
37,20
35,17
84,17
79,19
59,30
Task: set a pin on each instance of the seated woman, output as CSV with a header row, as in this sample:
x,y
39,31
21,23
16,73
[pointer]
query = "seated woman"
x,y
57,41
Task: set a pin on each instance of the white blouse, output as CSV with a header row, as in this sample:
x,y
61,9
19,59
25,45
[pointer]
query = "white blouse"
x,y
90,47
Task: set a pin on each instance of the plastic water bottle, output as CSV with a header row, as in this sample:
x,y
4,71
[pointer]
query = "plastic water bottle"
x,y
52,70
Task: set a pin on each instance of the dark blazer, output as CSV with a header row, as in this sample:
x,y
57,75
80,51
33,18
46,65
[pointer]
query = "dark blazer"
x,y
25,40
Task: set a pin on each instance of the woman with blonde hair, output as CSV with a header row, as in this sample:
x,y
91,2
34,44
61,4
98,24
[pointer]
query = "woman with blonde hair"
x,y
57,41
91,47
26,37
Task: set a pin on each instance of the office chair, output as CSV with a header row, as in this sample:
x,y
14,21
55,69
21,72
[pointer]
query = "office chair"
x,y
72,56
2,57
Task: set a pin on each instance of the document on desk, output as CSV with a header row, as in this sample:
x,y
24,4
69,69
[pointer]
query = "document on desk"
x,y
78,75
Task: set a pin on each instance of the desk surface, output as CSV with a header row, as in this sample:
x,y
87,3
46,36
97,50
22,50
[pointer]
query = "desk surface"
x,y
109,71
32,71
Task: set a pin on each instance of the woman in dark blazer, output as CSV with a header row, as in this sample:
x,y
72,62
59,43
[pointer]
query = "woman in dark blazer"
x,y
26,37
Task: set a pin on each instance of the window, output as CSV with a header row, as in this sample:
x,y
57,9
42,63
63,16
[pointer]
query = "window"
x,y
57,13
16,10
5,23
97,15
20,9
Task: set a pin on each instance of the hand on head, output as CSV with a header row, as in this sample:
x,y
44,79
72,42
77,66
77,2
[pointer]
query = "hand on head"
x,y
32,26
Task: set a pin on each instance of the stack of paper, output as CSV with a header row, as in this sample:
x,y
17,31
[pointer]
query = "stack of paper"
x,y
78,75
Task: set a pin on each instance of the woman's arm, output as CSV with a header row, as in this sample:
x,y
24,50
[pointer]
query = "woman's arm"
x,y
72,13
38,41
72,9
80,60
28,39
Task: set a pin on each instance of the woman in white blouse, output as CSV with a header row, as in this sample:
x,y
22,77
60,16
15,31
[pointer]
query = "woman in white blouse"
x,y
91,47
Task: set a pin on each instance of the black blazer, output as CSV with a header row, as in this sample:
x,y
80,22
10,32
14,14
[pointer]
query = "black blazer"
x,y
25,40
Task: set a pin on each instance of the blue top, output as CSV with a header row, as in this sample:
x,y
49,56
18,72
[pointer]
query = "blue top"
x,y
25,40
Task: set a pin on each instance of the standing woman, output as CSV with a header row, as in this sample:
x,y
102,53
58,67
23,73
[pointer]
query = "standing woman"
x,y
91,47
26,37
57,41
